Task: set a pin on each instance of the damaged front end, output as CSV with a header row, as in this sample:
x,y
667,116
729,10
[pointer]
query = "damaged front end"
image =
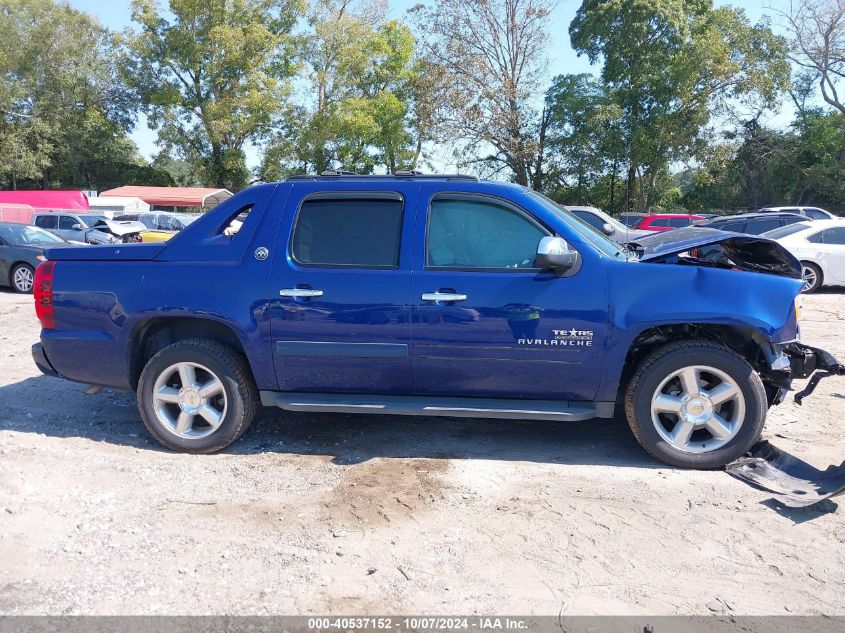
x,y
704,247
813,363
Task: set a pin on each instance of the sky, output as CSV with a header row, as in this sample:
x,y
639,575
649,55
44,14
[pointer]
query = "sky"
x,y
115,15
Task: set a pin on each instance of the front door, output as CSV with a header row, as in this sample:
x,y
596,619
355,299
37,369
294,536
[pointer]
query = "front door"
x,y
341,285
487,323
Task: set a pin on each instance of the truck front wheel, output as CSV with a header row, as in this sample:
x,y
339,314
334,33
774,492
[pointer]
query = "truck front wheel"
x,y
197,396
696,404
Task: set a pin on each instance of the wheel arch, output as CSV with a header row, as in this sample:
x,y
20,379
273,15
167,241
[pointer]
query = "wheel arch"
x,y
746,341
154,334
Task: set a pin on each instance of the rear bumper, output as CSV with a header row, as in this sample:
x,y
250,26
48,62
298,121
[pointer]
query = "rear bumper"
x,y
813,363
41,361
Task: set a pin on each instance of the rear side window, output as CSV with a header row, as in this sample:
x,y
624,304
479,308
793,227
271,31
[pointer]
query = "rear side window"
x,y
829,236
358,232
783,231
46,221
816,214
678,222
479,234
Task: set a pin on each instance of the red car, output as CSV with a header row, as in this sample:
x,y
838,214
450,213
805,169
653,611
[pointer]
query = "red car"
x,y
666,221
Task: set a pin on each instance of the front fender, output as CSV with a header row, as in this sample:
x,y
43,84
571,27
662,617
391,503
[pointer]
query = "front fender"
x,y
646,295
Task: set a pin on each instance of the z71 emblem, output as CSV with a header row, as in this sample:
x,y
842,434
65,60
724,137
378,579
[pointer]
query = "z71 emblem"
x,y
261,253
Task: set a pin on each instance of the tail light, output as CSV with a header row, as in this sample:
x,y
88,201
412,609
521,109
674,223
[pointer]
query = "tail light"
x,y
42,290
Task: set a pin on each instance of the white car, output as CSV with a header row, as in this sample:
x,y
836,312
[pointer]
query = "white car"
x,y
608,225
814,213
820,246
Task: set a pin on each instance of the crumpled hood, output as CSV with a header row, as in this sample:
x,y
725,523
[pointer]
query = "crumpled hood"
x,y
119,228
747,252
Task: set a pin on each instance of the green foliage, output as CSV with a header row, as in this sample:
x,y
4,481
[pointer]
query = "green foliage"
x,y
359,110
213,75
802,165
667,65
64,113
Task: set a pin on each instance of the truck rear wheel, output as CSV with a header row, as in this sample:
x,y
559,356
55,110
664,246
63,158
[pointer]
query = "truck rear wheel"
x,y
696,404
197,396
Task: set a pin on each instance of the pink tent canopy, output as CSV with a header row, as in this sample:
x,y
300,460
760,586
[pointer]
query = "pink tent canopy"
x,y
46,199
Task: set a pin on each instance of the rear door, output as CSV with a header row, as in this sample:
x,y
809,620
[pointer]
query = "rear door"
x,y
340,288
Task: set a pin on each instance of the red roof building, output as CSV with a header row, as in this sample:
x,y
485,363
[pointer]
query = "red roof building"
x,y
199,197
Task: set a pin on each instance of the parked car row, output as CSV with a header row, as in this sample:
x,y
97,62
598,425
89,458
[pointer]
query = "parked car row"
x,y
22,245
815,236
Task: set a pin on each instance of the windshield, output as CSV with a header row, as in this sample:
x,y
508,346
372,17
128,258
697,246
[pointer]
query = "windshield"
x,y
589,233
783,231
91,220
23,234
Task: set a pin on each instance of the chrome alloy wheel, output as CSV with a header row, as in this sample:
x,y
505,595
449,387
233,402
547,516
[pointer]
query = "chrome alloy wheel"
x,y
698,409
23,279
189,400
809,276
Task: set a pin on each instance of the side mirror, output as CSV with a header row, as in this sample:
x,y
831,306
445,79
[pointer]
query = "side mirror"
x,y
76,227
607,229
553,253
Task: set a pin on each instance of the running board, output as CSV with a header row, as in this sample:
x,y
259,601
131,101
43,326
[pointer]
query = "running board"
x,y
438,406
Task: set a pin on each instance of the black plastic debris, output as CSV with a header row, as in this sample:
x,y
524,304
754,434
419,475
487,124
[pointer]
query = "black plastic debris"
x,y
792,482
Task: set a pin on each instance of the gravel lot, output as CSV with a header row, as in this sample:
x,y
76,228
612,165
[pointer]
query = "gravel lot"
x,y
351,514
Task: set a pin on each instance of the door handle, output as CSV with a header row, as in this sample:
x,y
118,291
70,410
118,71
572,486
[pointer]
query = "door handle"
x,y
443,296
300,293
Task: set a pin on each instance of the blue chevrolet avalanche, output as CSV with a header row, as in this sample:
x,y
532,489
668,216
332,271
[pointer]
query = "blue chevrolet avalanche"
x,y
431,295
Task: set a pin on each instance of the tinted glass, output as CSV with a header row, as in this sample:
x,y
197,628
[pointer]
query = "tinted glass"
x,y
589,218
659,222
46,221
831,236
479,234
66,222
677,222
783,231
815,214
353,232
22,234
736,226
755,227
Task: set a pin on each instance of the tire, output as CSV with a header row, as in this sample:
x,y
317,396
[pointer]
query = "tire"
x,y
232,405
21,279
658,387
809,269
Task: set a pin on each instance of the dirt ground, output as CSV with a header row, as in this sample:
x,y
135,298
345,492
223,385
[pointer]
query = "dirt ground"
x,y
312,514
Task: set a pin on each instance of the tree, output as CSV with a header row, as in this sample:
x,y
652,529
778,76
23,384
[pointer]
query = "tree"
x,y
817,30
668,65
64,114
212,75
584,142
363,108
492,56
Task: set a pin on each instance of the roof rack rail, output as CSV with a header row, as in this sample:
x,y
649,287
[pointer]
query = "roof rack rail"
x,y
327,175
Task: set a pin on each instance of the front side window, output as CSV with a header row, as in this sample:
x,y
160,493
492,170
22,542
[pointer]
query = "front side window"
x,y
593,220
479,234
66,223
659,222
358,232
